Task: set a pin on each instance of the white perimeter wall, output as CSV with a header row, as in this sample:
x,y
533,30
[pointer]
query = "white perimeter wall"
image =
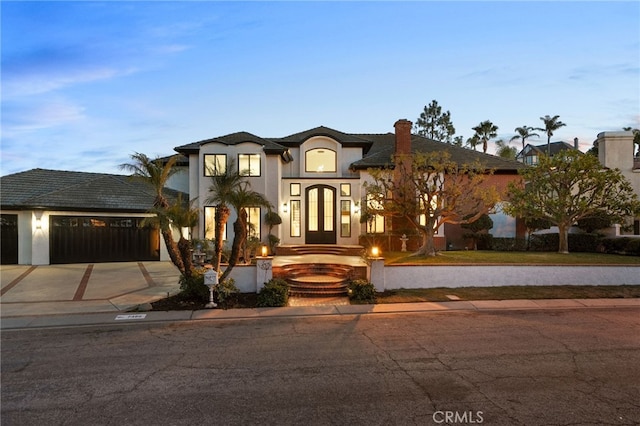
x,y
395,277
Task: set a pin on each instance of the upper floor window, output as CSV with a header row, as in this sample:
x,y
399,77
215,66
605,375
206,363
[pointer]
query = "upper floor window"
x,y
215,164
320,160
249,164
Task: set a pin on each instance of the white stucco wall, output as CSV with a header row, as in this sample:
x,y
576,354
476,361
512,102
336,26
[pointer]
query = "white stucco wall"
x,y
502,275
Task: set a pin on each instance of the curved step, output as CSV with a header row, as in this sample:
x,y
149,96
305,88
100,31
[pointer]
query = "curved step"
x,y
317,285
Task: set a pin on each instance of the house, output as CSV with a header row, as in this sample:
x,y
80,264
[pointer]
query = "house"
x,y
529,155
616,150
314,179
53,216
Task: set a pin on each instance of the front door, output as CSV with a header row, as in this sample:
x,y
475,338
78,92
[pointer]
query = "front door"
x,y
321,217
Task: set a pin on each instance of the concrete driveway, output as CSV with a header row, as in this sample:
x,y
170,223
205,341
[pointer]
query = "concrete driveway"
x,y
84,288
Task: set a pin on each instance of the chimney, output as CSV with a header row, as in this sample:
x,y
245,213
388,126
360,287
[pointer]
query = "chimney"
x,y
403,136
575,143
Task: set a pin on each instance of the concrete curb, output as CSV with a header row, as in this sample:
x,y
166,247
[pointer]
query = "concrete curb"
x,y
114,318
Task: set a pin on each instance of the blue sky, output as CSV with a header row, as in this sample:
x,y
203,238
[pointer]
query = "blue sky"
x,y
86,84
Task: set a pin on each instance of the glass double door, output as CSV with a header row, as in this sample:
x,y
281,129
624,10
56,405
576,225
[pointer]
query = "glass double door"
x,y
320,215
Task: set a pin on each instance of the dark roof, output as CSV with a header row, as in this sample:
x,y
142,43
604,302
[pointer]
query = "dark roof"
x,y
377,148
269,146
554,148
81,191
181,160
380,154
344,139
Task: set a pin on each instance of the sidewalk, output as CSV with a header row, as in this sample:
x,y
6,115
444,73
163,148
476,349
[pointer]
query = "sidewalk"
x,y
42,321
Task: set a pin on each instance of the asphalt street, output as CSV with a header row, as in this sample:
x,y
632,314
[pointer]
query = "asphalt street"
x,y
534,367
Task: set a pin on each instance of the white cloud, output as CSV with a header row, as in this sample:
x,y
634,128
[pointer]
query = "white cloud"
x,y
24,117
35,83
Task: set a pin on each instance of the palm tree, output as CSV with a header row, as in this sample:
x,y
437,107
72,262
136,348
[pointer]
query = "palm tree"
x,y
240,199
156,173
182,215
551,124
485,131
524,133
223,185
473,141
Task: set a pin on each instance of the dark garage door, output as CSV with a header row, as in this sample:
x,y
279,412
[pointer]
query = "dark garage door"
x,y
9,239
82,239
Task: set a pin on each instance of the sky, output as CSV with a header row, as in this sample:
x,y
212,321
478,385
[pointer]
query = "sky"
x,y
84,85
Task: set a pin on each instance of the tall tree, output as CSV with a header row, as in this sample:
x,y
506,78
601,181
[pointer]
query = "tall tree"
x,y
485,131
524,133
241,198
429,190
183,215
155,173
569,187
435,124
506,151
551,124
223,185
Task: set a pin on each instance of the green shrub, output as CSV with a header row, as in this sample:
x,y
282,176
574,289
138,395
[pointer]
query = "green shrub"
x,y
544,242
508,244
621,245
633,247
274,293
585,243
193,287
224,291
588,243
362,291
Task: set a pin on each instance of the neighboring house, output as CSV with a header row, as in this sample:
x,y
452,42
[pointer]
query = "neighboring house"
x,y
529,155
53,216
615,151
314,179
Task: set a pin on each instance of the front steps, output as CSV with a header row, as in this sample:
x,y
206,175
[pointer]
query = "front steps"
x,y
315,279
317,276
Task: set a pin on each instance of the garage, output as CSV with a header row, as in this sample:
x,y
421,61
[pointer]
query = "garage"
x,y
94,239
57,216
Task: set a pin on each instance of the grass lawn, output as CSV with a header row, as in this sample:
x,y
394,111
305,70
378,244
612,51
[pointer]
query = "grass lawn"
x,y
508,293
510,257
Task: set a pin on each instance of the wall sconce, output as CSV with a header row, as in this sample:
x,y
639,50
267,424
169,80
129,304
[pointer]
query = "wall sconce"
x,y
264,251
356,209
38,215
285,208
375,251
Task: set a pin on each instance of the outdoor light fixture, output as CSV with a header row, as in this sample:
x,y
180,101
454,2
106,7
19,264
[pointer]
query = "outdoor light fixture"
x,y
264,251
285,208
38,214
375,251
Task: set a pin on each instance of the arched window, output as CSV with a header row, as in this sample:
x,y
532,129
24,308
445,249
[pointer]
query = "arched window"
x,y
320,160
